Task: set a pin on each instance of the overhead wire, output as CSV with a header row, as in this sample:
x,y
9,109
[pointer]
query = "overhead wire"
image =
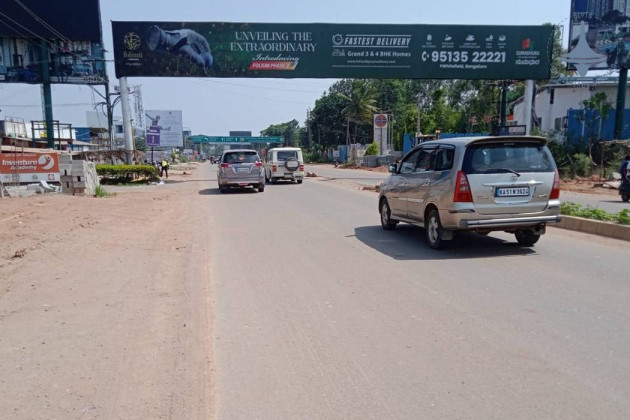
x,y
50,43
42,22
257,97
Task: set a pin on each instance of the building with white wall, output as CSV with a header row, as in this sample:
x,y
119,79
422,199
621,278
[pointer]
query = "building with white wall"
x,y
553,102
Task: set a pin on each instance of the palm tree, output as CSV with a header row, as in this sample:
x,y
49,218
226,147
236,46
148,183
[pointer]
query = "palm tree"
x,y
360,106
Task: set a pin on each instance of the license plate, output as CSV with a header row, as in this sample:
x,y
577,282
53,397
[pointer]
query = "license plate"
x,y
241,170
512,192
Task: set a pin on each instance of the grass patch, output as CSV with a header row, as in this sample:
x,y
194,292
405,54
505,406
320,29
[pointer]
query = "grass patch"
x,y
577,210
100,192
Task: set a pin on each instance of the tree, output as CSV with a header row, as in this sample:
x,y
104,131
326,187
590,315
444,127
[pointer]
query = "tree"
x,y
599,103
289,131
360,106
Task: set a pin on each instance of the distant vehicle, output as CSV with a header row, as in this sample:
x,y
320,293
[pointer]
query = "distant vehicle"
x,y
240,169
284,163
479,184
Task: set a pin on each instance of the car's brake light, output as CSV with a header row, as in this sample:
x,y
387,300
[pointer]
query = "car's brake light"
x,y
555,191
274,168
258,164
225,165
302,168
462,189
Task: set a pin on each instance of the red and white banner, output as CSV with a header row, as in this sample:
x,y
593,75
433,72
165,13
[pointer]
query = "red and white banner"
x,y
29,167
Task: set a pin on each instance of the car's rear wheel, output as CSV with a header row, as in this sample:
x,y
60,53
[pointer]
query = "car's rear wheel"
x,y
433,230
299,181
526,237
261,187
625,197
386,217
223,189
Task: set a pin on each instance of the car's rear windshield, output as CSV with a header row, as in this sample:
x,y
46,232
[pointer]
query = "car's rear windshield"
x,y
287,154
506,157
241,157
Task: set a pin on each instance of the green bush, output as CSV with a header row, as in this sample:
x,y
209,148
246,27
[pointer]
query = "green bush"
x,y
127,171
573,209
581,164
372,149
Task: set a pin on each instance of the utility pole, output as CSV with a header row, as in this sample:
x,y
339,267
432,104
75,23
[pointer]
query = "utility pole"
x,y
126,111
621,101
47,94
529,103
504,97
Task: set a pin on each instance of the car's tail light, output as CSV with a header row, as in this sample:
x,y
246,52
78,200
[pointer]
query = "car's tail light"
x,y
274,168
302,168
225,165
555,191
462,189
258,164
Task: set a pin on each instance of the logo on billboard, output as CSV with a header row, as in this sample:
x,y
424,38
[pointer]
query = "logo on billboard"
x,y
46,162
527,45
337,39
132,41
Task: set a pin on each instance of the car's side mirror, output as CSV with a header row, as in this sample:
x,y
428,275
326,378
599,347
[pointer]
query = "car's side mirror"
x,y
392,168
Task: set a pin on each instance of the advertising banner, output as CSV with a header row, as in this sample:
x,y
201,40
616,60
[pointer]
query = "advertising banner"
x,y
71,32
599,34
29,167
220,49
164,129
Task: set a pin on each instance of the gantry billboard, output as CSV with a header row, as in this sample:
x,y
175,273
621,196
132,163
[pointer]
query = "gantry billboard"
x,y
221,49
600,31
71,32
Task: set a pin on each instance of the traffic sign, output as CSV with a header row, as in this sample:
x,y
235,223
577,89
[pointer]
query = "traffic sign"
x,y
380,120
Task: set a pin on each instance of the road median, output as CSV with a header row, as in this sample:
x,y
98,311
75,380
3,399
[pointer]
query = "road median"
x,y
595,227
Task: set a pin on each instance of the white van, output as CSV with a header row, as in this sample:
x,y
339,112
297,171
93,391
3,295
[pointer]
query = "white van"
x,y
284,163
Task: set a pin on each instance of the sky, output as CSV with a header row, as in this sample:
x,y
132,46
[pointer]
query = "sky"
x,y
215,106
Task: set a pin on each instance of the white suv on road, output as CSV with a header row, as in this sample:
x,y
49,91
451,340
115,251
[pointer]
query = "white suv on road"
x,y
284,163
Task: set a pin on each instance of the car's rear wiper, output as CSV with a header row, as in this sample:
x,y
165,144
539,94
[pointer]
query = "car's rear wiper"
x,y
507,170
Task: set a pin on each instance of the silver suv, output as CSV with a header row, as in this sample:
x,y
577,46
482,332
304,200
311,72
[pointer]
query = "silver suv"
x,y
240,169
479,184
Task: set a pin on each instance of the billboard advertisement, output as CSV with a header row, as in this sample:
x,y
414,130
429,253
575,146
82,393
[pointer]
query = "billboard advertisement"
x,y
29,167
600,31
70,31
220,49
164,128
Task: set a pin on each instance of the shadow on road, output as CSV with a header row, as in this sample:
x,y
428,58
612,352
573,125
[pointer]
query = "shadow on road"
x,y
216,191
407,242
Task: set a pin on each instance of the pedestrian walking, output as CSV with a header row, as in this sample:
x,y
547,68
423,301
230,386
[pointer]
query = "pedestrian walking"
x,y
164,168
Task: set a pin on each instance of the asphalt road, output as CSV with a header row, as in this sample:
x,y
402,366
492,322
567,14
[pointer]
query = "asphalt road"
x,y
611,203
320,314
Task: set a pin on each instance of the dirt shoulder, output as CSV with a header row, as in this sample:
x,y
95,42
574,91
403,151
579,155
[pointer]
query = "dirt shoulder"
x,y
105,303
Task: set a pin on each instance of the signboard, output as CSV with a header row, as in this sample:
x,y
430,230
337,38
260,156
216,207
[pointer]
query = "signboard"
x,y
234,139
512,130
605,26
70,30
381,133
221,49
29,167
164,129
